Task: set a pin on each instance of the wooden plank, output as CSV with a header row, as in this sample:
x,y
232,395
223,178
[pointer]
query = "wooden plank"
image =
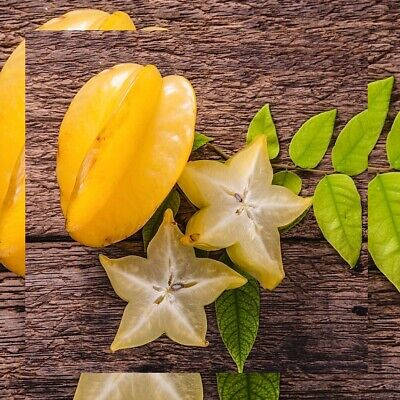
x,y
303,58
12,299
233,76
384,299
12,318
312,324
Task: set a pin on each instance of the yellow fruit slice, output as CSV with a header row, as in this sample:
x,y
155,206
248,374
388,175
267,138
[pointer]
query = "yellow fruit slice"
x,y
12,221
167,292
12,185
89,19
12,126
123,143
12,117
110,86
139,386
241,210
118,21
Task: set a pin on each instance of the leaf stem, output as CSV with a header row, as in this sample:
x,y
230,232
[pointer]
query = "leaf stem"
x,y
221,152
380,170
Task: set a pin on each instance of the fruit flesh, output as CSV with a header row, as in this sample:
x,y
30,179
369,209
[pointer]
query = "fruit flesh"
x,y
167,292
136,156
12,128
89,19
110,86
12,221
139,386
241,210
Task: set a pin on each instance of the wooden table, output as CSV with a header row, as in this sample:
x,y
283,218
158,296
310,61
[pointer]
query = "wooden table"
x,y
332,332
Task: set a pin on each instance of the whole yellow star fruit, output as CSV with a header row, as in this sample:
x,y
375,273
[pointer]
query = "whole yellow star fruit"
x,y
167,292
123,144
12,131
241,210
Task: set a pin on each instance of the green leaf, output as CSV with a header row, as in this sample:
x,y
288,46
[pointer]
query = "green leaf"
x,y
357,139
263,124
384,224
200,140
238,314
248,386
379,93
289,180
393,144
337,208
172,201
311,141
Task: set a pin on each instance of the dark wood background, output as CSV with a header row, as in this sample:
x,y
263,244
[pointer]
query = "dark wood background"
x,y
333,333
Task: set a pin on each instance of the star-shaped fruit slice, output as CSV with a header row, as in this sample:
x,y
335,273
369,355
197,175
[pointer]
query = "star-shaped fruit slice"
x,y
241,210
167,292
139,386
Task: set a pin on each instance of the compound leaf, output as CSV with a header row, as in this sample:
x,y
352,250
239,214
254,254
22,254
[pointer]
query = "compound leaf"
x,y
309,144
263,124
357,139
337,208
238,314
248,386
384,224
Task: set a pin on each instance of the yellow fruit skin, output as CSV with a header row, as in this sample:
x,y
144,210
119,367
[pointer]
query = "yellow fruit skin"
x,y
136,157
12,221
118,21
12,128
88,19
12,138
110,86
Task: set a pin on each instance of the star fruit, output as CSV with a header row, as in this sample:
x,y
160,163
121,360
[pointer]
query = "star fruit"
x,y
12,131
241,210
167,292
123,143
139,386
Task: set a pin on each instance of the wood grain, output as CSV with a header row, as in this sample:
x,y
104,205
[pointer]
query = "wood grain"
x,y
13,24
232,75
12,312
302,57
313,323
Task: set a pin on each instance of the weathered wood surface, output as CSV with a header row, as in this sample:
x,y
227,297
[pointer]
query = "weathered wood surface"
x,y
313,323
12,311
13,24
233,74
303,57
384,300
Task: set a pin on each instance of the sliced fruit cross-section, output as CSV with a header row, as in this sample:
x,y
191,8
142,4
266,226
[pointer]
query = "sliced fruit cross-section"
x,y
241,210
167,292
139,386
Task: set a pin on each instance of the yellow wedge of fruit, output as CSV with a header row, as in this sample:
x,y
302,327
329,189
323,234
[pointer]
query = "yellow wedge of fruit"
x,y
88,19
123,144
12,221
12,130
